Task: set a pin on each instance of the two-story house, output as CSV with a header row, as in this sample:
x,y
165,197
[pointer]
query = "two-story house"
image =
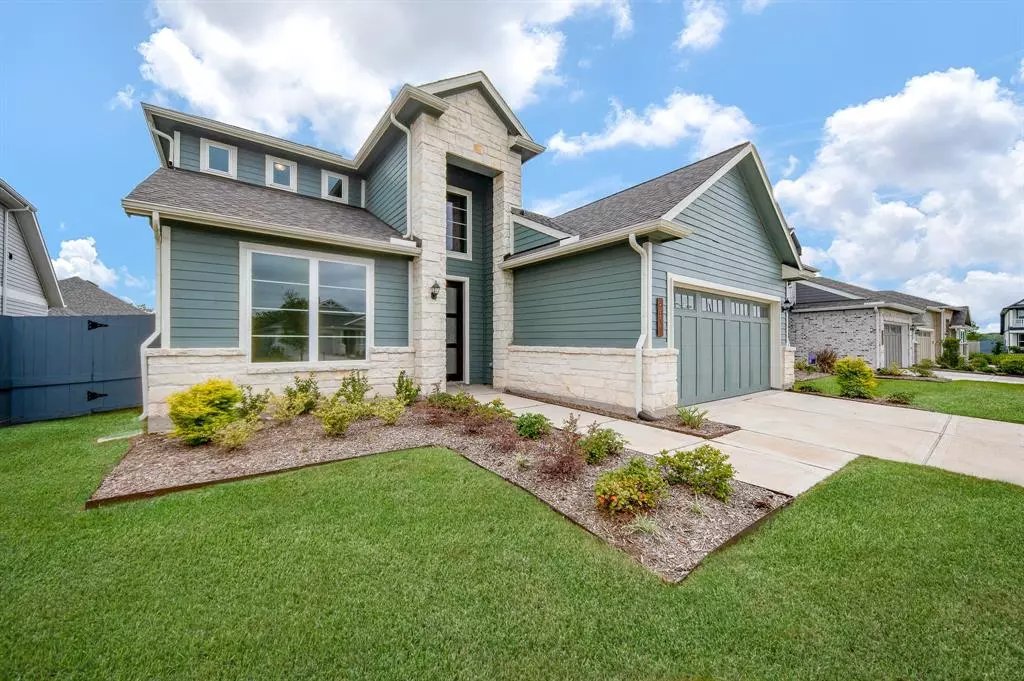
x,y
28,284
1011,325
276,258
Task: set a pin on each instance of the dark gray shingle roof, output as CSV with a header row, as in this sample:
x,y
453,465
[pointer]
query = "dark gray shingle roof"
x,y
82,297
866,294
826,304
915,301
539,218
231,198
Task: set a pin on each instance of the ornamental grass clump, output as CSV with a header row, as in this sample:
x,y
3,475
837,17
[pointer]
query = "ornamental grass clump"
x,y
855,378
692,417
197,413
706,470
632,488
825,360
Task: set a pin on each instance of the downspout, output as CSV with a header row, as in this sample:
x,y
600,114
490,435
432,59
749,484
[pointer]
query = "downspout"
x,y
154,224
170,145
408,175
638,350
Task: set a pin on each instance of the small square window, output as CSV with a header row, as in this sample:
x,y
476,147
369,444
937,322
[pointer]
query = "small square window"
x,y
218,158
281,173
333,186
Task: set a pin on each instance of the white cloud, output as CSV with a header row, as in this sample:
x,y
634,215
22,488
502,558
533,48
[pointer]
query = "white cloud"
x,y
123,98
683,116
986,292
929,180
78,258
279,66
755,6
703,25
132,281
576,95
815,257
792,163
566,201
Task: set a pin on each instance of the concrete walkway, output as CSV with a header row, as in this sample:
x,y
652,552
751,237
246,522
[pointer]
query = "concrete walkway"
x,y
789,441
984,378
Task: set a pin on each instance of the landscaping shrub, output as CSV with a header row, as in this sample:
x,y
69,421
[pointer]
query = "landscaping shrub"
x,y
855,378
304,394
282,410
335,416
235,434
892,370
950,357
632,488
926,363
503,437
533,426
562,455
600,443
253,404
197,413
388,411
459,403
1012,364
979,362
808,388
801,365
900,397
354,387
922,369
498,408
405,389
705,469
825,360
692,417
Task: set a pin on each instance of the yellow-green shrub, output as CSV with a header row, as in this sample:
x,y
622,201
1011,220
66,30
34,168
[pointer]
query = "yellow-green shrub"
x,y
705,469
388,411
855,378
282,410
235,434
336,416
198,412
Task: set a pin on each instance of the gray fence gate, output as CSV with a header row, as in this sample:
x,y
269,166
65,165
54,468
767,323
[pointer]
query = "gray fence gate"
x,y
892,341
55,367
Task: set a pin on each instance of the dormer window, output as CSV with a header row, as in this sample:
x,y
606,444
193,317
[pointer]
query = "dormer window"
x,y
333,186
218,158
282,173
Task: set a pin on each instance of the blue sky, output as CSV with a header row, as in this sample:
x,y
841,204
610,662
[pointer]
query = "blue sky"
x,y
898,193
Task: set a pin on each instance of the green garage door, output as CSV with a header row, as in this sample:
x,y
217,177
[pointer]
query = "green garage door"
x,y
724,346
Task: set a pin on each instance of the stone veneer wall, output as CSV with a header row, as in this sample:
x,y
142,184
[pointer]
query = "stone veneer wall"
x,y
848,332
788,367
172,370
600,377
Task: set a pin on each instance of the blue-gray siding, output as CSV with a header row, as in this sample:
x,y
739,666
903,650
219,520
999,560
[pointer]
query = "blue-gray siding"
x,y
252,168
728,245
478,270
385,186
525,238
586,300
205,287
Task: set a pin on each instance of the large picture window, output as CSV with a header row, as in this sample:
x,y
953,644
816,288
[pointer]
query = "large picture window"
x,y
304,307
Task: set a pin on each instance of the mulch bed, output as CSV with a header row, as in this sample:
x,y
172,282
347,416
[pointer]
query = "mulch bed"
x,y
688,527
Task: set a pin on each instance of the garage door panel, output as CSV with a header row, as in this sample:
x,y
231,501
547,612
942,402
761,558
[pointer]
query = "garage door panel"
x,y
686,341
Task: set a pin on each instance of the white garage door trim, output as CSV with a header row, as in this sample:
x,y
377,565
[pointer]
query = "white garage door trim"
x,y
674,281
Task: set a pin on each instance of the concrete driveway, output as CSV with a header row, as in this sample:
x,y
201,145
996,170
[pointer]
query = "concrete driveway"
x,y
984,378
823,432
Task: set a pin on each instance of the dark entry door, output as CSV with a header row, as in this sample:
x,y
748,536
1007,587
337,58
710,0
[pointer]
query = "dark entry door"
x,y
455,317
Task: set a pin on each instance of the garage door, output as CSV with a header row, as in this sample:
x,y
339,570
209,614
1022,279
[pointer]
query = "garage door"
x,y
724,346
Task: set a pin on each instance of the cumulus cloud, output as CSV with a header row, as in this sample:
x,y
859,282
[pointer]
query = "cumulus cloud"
x,y
704,21
755,6
123,98
683,116
930,179
986,292
281,66
792,163
79,258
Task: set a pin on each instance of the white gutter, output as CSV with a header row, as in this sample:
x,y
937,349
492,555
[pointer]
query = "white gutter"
x,y
170,145
6,261
638,350
408,175
154,224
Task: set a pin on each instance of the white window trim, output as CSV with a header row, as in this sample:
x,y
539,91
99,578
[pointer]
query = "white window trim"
x,y
293,186
468,255
204,158
465,325
325,176
246,249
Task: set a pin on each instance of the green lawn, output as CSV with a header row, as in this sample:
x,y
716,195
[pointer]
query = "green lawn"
x,y
420,565
997,401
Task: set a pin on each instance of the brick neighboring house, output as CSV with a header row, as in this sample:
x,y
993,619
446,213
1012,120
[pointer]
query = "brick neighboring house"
x,y
881,327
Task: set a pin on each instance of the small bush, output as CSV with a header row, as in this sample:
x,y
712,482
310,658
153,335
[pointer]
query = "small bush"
x,y
354,387
801,365
1012,364
235,434
808,388
197,413
825,360
892,370
458,403
922,369
304,393
692,417
533,426
600,443
950,357
632,488
388,411
253,404
900,397
405,389
503,437
705,469
498,408
563,457
926,363
855,378
282,410
335,416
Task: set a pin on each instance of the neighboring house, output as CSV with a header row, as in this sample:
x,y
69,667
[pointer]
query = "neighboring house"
x,y
277,258
1011,325
882,327
83,297
28,285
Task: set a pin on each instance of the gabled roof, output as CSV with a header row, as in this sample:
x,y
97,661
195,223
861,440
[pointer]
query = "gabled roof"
x,y
1014,306
914,300
207,199
849,295
961,316
83,297
478,80
32,232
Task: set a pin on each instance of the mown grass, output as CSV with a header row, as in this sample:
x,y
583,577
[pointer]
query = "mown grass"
x,y
986,400
420,565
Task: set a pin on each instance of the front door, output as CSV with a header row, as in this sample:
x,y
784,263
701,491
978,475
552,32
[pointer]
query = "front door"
x,y
454,337
892,341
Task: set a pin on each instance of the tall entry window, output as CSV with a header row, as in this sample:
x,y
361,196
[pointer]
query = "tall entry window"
x,y
459,221
304,307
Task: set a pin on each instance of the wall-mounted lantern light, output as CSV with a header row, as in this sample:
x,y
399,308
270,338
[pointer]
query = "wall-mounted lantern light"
x,y
435,290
